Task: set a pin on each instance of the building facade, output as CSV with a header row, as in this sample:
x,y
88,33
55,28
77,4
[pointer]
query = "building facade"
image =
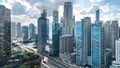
x,y
116,63
31,31
54,49
67,46
79,42
5,35
25,33
97,46
19,30
42,32
114,35
13,30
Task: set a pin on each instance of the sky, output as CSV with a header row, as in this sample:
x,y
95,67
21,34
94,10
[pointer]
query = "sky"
x,y
28,11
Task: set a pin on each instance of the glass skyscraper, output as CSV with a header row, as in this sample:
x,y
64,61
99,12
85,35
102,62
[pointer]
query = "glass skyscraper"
x,y
54,48
79,42
32,31
25,33
97,46
42,32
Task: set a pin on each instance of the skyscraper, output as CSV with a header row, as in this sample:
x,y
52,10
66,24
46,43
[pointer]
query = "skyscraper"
x,y
13,30
48,23
86,38
67,47
114,35
116,63
32,31
5,35
97,15
108,38
19,30
42,31
25,33
68,20
108,57
55,16
83,48
79,42
54,48
98,49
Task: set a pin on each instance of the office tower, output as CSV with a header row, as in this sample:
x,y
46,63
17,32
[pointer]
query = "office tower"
x,y
25,33
79,42
119,32
87,38
42,31
13,30
116,63
97,44
54,48
83,47
97,15
108,57
114,35
5,35
67,46
55,16
68,20
107,28
32,32
48,29
19,30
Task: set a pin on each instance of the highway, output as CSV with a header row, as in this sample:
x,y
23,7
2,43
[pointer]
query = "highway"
x,y
53,61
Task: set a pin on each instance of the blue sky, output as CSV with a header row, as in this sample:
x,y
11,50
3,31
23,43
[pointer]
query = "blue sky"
x,y
28,11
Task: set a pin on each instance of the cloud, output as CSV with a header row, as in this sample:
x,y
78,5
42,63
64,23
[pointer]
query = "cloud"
x,y
93,9
18,9
96,0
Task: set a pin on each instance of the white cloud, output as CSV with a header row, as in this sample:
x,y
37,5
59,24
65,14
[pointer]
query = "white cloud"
x,y
105,8
96,0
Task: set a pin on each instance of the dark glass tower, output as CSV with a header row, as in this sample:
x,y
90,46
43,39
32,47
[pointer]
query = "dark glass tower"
x,y
25,33
42,31
54,48
32,31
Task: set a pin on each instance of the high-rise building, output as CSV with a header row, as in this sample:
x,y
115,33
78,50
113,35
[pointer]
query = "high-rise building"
x,y
31,31
119,32
42,31
25,33
48,24
54,48
108,57
13,30
68,19
87,38
114,35
19,30
79,42
97,15
67,47
83,48
97,44
116,63
5,35
55,16
107,28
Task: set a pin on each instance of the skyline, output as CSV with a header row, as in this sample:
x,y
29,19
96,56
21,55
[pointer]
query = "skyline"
x,y
31,10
